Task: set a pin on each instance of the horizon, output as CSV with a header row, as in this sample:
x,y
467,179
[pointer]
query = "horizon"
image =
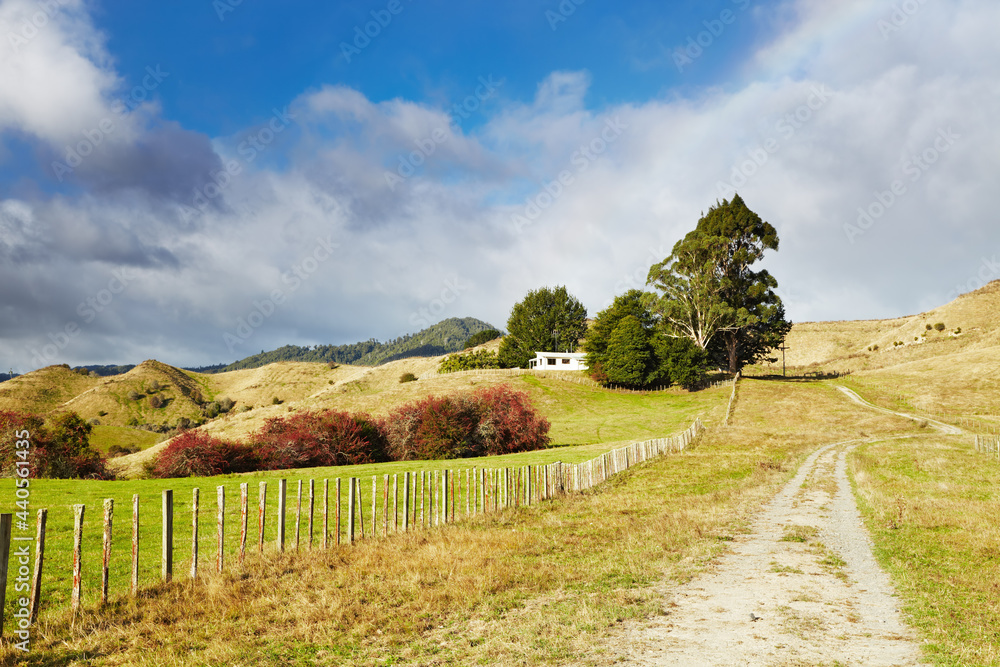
x,y
332,173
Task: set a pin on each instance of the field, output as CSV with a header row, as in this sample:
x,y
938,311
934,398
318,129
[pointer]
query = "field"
x,y
566,581
539,585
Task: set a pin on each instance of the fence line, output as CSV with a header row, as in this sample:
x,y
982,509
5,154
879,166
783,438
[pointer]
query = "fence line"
x,y
486,491
988,444
732,399
564,376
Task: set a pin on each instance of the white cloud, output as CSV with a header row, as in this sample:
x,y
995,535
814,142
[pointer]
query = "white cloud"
x,y
836,108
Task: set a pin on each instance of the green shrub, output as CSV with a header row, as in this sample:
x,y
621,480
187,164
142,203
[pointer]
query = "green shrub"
x,y
133,395
469,361
226,404
156,401
929,327
958,330
939,326
407,377
276,401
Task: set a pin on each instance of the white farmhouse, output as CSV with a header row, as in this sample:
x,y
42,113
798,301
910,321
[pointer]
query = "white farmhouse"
x,y
558,361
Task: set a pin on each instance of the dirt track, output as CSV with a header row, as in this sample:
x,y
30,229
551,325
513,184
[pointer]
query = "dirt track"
x,y
802,588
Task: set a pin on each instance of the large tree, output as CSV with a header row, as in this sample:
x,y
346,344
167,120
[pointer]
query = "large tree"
x,y
712,295
626,345
546,320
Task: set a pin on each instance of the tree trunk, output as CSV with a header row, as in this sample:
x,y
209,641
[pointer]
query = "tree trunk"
x,y
731,354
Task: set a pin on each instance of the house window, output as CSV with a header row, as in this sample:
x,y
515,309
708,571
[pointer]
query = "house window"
x,y
551,362
565,361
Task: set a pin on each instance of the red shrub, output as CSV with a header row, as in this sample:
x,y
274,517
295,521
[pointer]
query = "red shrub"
x,y
197,454
310,439
509,423
489,421
59,446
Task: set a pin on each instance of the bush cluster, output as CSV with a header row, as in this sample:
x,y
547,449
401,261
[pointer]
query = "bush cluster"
x,y
488,421
469,361
60,446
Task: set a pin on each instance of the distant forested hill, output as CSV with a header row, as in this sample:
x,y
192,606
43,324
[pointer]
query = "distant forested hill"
x,y
442,338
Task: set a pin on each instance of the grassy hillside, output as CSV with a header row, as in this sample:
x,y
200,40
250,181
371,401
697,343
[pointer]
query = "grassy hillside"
x,y
953,370
441,338
44,390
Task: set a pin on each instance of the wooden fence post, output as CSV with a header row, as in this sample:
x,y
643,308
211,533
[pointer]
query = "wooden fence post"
x,y
220,525
282,490
135,544
423,489
78,511
451,492
244,507
406,502
350,510
374,515
338,511
36,576
413,497
261,513
298,513
361,509
435,500
6,526
167,541
385,505
109,513
312,507
326,513
194,533
395,502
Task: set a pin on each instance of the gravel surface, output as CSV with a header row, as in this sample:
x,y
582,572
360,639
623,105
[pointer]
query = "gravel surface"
x,y
816,597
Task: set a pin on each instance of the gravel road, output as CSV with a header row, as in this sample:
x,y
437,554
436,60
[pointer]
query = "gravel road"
x,y
803,588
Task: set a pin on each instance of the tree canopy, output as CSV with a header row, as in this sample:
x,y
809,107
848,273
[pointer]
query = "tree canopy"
x,y
711,294
626,346
546,320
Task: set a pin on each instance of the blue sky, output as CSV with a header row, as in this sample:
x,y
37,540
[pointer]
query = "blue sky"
x,y
199,180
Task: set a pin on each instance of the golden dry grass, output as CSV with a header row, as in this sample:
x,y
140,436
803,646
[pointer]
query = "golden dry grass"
x,y
43,390
930,504
537,586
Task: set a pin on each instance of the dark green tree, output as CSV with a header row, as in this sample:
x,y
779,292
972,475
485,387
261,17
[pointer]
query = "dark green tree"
x,y
628,357
482,337
668,360
546,320
712,295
